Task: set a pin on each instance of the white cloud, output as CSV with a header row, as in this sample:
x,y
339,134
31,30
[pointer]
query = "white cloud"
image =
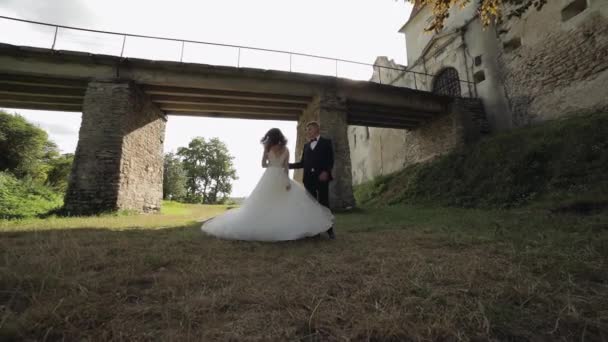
x,y
61,12
62,127
57,129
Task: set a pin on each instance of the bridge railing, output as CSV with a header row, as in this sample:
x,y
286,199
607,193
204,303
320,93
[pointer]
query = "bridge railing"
x,y
125,45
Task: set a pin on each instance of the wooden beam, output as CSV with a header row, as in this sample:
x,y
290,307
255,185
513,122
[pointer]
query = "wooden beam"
x,y
386,117
227,109
379,108
20,89
42,81
226,102
381,124
200,92
40,99
234,115
404,116
52,107
390,120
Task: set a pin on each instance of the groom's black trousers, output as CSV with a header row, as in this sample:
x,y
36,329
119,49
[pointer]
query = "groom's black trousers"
x,y
318,190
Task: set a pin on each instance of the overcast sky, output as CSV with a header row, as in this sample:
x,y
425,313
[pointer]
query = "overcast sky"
x,y
357,30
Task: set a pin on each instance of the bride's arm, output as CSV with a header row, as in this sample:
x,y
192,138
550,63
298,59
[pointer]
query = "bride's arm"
x,y
264,159
286,163
286,169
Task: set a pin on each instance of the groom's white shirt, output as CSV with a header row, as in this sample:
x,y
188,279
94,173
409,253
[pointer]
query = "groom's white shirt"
x,y
314,143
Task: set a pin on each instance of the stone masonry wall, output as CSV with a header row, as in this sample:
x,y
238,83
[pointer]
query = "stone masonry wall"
x,y
333,120
558,72
95,177
330,112
381,151
118,160
310,114
141,167
538,67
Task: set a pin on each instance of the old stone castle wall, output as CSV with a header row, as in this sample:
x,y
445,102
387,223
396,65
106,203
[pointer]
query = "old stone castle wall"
x,y
555,61
380,151
547,64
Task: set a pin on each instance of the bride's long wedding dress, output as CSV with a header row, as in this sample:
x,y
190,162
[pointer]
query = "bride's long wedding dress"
x,y
271,212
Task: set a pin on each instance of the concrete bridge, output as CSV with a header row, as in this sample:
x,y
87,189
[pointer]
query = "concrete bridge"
x,y
125,103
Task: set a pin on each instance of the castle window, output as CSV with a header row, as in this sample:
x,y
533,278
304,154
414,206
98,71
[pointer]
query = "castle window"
x,y
512,44
573,9
447,83
477,60
479,76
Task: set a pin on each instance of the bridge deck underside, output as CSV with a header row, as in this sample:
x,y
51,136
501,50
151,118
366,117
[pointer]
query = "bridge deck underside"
x,y
64,94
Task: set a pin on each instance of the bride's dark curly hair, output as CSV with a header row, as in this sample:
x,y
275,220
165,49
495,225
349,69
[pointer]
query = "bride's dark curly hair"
x,y
273,137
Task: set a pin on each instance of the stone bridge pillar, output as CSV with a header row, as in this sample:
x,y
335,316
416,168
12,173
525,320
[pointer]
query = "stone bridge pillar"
x,y
330,111
119,159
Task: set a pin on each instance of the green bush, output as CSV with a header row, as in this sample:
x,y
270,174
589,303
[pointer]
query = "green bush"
x,y
25,198
557,159
24,147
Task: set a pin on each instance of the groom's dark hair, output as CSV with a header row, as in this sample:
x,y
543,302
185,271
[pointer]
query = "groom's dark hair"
x,y
314,124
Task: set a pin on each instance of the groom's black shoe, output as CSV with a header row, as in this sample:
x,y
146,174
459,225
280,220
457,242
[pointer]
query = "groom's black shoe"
x,y
330,233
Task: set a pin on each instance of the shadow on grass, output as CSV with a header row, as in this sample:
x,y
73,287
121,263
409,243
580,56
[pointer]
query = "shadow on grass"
x,y
190,231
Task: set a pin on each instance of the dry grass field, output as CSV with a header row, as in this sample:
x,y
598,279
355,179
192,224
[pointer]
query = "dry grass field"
x,y
398,273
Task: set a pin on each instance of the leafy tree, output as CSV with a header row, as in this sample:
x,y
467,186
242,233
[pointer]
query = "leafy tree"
x,y
33,174
174,178
209,168
489,10
60,168
24,148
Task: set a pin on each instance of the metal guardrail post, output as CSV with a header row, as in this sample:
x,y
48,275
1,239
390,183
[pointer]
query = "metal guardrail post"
x,y
181,56
336,68
55,38
238,61
290,62
124,40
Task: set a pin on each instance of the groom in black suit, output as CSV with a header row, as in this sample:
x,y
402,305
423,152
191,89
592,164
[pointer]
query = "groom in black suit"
x,y
317,161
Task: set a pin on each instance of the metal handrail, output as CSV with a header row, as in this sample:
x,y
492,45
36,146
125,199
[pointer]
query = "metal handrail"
x,y
239,47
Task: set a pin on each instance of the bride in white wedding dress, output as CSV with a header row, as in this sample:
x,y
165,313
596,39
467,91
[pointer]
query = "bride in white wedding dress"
x,y
278,209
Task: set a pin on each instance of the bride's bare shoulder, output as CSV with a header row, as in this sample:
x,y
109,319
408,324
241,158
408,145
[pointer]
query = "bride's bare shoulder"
x,y
279,149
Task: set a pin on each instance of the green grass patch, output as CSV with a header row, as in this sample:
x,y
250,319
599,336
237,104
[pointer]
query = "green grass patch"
x,y
172,215
558,162
25,198
175,208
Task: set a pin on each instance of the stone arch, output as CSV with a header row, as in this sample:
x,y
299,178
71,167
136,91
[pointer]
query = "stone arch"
x,y
447,82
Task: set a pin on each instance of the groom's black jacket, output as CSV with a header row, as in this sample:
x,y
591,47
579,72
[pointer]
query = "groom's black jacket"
x,y
316,161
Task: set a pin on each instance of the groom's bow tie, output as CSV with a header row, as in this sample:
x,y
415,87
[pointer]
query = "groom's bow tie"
x,y
313,139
